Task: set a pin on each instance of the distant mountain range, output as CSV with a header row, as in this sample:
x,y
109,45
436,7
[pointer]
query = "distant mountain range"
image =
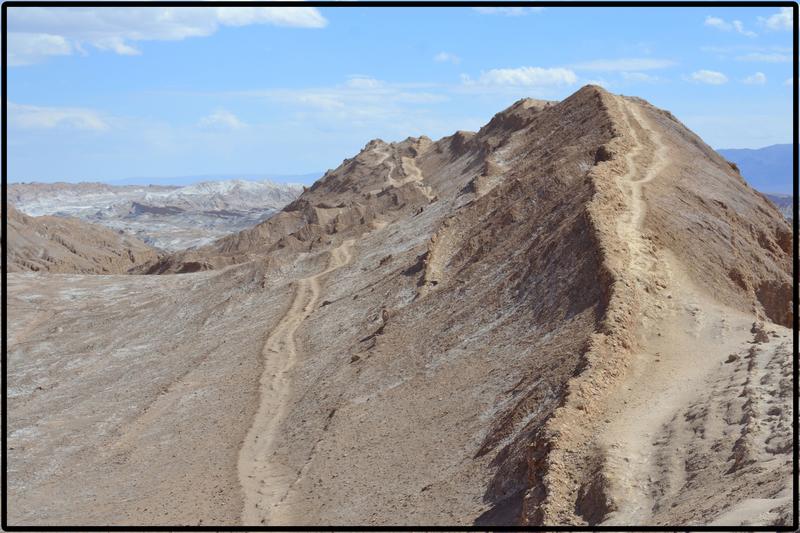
x,y
784,203
302,179
168,217
767,169
190,180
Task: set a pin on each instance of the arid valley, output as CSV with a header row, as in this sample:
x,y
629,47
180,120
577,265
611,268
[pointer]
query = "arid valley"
x,y
579,314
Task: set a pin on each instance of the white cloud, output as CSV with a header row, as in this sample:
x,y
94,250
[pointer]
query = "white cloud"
x,y
222,119
759,78
37,118
508,11
782,20
27,48
363,82
765,58
299,17
639,77
37,32
115,44
525,76
716,22
710,77
447,57
736,25
624,64
739,27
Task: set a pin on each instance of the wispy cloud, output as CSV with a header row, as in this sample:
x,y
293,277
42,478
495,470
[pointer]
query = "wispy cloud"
x,y
716,22
640,77
735,25
447,57
508,11
738,48
710,77
759,78
524,76
782,20
364,82
39,118
765,58
360,98
624,64
36,33
221,119
739,27
28,48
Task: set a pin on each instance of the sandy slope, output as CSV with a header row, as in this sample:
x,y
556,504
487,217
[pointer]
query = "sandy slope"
x,y
129,396
685,338
265,483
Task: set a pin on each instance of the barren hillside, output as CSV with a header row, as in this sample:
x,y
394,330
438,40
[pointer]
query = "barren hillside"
x,y
65,245
575,315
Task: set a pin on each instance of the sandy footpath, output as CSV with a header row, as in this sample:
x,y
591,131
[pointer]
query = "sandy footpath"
x,y
265,483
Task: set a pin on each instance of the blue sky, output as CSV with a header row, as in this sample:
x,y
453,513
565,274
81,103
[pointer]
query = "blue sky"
x,y
104,94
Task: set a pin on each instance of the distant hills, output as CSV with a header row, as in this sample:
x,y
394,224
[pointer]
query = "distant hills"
x,y
191,180
180,181
767,169
168,217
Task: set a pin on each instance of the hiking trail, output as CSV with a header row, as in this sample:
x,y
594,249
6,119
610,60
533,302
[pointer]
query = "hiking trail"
x,y
265,484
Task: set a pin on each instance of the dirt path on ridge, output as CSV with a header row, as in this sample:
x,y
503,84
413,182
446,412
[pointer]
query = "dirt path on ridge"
x,y
265,484
683,336
414,174
409,168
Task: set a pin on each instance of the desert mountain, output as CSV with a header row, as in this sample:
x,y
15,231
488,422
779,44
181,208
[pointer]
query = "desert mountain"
x,y
768,169
64,245
529,324
166,217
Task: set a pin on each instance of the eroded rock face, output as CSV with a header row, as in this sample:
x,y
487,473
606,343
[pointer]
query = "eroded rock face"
x,y
456,332
776,299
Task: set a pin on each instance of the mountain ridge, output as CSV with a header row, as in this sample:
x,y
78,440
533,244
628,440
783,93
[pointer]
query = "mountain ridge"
x,y
626,137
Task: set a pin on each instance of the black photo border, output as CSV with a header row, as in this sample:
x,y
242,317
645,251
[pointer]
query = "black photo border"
x,y
378,4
